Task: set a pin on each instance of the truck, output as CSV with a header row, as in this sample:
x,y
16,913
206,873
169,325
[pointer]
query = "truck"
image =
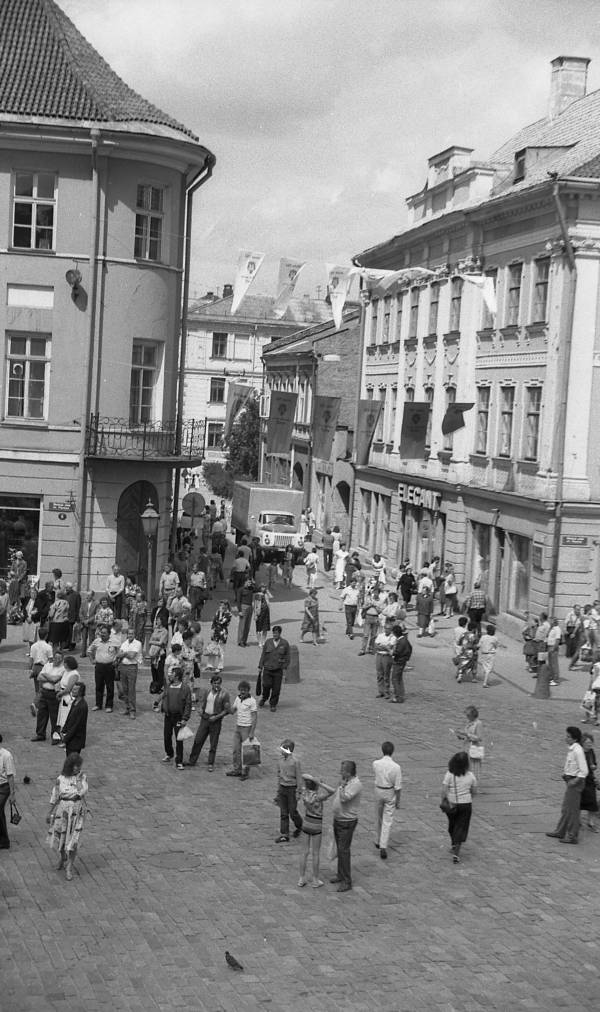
x,y
270,513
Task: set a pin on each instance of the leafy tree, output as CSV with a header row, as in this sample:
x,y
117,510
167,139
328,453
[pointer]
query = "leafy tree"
x,y
218,479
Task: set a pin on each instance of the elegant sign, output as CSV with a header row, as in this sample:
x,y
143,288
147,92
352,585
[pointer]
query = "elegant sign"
x,y
574,540
417,496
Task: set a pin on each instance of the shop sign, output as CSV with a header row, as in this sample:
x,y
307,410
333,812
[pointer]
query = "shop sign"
x,y
61,507
574,540
418,496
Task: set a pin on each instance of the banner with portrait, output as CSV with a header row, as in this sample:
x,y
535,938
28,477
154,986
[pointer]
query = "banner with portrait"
x,y
368,416
280,424
338,284
237,395
413,435
247,269
325,415
289,272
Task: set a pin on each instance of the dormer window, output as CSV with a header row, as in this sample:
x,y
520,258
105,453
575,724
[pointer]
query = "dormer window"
x,y
519,172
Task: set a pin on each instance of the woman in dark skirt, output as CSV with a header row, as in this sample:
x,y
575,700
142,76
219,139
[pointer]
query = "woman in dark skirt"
x,y
458,787
75,726
589,800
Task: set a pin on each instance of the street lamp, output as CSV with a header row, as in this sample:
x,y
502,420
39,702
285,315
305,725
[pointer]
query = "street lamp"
x,y
149,519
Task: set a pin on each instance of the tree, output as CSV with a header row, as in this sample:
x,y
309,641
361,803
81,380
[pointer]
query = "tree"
x,y
244,443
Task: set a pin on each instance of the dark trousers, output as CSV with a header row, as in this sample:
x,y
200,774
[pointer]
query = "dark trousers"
x,y
4,796
206,730
117,606
170,730
350,611
85,632
104,676
271,686
475,616
47,708
244,624
343,832
568,824
288,809
398,681
327,559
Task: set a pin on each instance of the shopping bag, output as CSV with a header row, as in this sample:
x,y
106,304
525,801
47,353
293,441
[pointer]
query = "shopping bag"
x,y
251,752
332,847
184,733
431,628
15,815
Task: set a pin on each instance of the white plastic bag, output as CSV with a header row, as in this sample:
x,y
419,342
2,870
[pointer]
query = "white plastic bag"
x,y
431,628
184,733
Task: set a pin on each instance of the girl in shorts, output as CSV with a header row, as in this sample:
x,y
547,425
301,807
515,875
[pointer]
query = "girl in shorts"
x,y
315,792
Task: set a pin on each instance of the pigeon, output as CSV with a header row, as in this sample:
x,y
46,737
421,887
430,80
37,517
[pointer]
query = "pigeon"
x,y
232,962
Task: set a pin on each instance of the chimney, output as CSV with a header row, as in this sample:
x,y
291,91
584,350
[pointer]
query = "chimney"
x,y
227,291
568,82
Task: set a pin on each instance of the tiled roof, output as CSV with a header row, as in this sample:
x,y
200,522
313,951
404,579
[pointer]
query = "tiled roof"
x,y
260,308
48,70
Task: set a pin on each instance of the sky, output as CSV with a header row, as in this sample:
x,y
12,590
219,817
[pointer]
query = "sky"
x,y
322,113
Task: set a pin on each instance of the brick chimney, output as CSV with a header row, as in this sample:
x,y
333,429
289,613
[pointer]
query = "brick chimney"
x,y
227,291
568,82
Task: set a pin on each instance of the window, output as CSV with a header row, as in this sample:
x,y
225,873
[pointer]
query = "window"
x,y
515,274
507,410
399,311
483,418
393,413
143,382
365,518
219,346
456,288
429,399
540,293
387,305
519,573
434,305
214,435
241,348
533,408
450,399
409,395
381,422
488,320
374,313
413,320
217,390
519,167
34,205
148,222
26,389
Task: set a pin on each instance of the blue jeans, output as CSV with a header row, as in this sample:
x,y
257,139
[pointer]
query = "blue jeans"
x,y
343,832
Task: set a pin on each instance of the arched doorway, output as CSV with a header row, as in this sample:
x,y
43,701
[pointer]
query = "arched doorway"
x,y
298,476
132,550
341,505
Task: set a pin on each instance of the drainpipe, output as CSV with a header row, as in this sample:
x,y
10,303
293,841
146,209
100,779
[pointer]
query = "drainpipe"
x,y
564,393
88,364
201,177
364,299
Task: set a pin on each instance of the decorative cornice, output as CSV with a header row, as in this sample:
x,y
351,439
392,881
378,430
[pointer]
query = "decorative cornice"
x,y
523,358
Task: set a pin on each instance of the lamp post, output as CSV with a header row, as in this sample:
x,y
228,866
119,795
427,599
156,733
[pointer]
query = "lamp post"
x,y
149,519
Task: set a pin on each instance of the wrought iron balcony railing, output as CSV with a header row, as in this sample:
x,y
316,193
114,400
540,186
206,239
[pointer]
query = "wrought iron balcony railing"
x,y
118,438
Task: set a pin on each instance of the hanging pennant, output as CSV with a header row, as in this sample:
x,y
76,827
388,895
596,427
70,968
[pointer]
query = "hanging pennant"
x,y
289,272
325,416
281,421
338,283
368,416
413,435
247,269
488,289
237,395
453,419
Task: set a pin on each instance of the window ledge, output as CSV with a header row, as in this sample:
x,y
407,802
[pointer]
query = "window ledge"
x,y
395,347
531,466
511,331
444,456
502,461
537,327
479,458
25,423
452,335
378,445
32,252
389,447
486,333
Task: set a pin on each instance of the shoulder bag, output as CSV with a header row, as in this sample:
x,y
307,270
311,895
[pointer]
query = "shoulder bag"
x,y
446,805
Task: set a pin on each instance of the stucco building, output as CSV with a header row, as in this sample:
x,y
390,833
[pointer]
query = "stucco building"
x,y
96,186
514,496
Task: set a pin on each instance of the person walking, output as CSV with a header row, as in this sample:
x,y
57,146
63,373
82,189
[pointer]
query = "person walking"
x,y
74,729
310,621
349,598
574,775
262,614
289,788
553,642
401,655
407,585
385,642
475,605
176,707
103,654
214,705
488,646
327,548
7,791
68,809
458,787
246,604
314,793
274,662
372,607
424,610
472,735
311,564
346,802
388,785
244,705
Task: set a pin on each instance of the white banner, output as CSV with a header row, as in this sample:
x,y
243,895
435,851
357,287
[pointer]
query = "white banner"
x,y
338,283
289,272
247,269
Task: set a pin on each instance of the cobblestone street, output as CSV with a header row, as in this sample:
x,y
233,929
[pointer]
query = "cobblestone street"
x,y
177,867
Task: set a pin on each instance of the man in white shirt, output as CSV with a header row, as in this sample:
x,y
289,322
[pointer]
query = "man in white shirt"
x,y
169,581
129,657
574,776
7,790
349,598
115,586
553,642
388,785
311,561
246,709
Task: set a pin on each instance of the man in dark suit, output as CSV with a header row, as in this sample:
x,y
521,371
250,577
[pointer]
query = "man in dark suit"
x,y
214,704
274,660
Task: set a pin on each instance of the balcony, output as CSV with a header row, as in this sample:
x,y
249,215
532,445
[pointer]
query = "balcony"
x,y
153,442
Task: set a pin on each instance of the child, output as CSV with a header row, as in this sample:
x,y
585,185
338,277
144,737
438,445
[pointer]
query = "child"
x,y
40,653
314,794
473,736
589,800
459,635
138,613
488,645
289,788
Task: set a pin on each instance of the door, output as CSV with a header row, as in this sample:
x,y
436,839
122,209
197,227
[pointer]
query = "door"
x,y
132,548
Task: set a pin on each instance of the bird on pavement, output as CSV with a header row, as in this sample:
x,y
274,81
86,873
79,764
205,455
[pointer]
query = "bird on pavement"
x,y
232,962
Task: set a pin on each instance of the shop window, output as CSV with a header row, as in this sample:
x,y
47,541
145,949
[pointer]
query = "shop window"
x,y
19,531
399,312
540,292
34,207
383,524
450,399
217,390
519,577
413,321
429,399
28,363
488,319
480,554
387,308
533,409
483,418
374,314
148,222
515,276
455,303
507,411
434,305
365,520
214,435
219,346
144,370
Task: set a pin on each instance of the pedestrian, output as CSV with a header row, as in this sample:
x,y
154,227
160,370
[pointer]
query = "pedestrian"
x,y
214,706
385,642
47,704
340,556
245,706
73,598
274,662
87,613
488,645
475,605
103,654
378,566
58,621
69,678
246,599
138,613
530,647
424,610
29,629
467,658
289,789
407,585
7,791
373,605
179,607
240,570
129,658
177,708
349,598
589,799
311,565
168,583
220,632
43,600
388,786
115,591
262,614
573,631
3,609
287,570
450,591
310,621
197,591
553,642
401,654
393,613
315,792
40,653
74,729
68,809
346,803
327,548
472,735
104,615
157,651
574,775
458,787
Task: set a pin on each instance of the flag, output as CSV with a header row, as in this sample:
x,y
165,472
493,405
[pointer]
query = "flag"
x,y
414,430
338,283
324,422
453,419
281,421
237,395
247,269
289,272
405,274
488,289
368,416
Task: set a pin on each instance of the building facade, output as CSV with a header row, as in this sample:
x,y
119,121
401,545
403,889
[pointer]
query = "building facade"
x,y
95,183
513,497
223,348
